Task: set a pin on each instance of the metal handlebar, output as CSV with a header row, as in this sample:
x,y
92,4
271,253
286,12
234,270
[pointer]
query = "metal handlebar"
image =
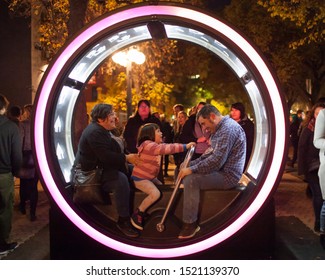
x,y
160,226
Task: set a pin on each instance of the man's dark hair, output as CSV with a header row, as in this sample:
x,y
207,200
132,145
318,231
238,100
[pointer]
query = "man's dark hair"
x,y
4,103
206,111
101,111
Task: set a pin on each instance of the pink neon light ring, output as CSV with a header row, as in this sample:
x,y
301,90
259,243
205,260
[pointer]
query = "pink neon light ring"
x,y
181,13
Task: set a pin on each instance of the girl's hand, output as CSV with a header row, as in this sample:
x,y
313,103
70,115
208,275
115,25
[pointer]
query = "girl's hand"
x,y
189,145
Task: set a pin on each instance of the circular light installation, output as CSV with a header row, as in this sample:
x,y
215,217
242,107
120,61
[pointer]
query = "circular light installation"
x,y
74,65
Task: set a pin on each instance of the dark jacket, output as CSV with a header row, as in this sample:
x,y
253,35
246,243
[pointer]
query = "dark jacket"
x,y
132,126
187,134
97,148
10,146
308,155
249,129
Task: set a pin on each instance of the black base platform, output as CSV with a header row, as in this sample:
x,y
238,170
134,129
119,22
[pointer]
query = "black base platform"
x,y
255,241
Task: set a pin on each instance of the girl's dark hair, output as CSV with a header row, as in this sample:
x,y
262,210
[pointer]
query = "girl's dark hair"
x,y
147,132
101,111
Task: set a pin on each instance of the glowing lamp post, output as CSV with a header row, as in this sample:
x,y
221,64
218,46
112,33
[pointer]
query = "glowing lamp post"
x,y
125,58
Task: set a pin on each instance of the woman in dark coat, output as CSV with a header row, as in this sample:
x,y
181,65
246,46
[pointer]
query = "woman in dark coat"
x,y
141,117
97,148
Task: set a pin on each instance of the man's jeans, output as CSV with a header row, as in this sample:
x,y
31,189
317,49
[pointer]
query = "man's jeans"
x,y
193,183
121,190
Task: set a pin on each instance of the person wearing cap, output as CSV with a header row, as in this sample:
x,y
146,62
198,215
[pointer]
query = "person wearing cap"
x,y
238,113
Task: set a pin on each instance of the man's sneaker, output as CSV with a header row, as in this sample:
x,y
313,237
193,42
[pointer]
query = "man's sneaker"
x,y
127,229
188,230
137,219
7,247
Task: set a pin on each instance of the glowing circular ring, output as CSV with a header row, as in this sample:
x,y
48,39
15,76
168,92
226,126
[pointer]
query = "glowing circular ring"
x,y
182,13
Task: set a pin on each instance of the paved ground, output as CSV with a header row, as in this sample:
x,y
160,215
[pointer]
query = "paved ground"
x,y
294,224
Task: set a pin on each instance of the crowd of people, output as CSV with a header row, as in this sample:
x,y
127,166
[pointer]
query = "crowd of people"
x,y
140,161
307,135
139,156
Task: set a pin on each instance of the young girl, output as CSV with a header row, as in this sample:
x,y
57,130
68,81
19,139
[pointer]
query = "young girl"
x,y
144,175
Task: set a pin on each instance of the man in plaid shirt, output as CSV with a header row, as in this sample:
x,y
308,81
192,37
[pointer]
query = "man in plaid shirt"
x,y
220,167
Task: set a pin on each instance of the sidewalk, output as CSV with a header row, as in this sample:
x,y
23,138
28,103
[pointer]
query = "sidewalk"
x,y
294,224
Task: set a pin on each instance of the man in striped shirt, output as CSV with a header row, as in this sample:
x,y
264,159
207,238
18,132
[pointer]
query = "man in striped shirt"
x,y
220,167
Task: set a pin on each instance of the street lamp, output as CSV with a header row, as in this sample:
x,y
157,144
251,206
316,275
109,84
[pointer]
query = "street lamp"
x,y
125,58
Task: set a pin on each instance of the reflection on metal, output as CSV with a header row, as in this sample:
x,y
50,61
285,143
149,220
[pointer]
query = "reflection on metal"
x,y
79,59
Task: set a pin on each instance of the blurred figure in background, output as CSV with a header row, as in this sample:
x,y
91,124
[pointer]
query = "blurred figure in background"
x,y
294,135
10,162
319,142
141,117
176,109
178,138
167,132
27,174
15,114
193,132
238,113
308,160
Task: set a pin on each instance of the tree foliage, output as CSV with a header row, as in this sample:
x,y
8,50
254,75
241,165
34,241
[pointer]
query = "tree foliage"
x,y
307,15
275,36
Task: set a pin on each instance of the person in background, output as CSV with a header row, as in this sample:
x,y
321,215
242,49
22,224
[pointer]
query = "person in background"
x,y
156,114
294,135
220,167
15,114
144,175
167,132
178,138
308,161
97,147
319,143
27,174
141,117
176,109
193,132
238,113
10,162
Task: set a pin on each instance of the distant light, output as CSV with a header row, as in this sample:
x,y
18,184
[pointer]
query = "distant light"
x,y
132,55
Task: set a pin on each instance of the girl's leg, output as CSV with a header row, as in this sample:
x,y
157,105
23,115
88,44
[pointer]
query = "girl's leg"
x,y
151,190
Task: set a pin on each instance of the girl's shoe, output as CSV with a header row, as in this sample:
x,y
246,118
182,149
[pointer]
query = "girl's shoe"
x,y
137,219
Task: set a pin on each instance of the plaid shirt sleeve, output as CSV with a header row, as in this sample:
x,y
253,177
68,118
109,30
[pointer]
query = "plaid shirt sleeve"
x,y
227,150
